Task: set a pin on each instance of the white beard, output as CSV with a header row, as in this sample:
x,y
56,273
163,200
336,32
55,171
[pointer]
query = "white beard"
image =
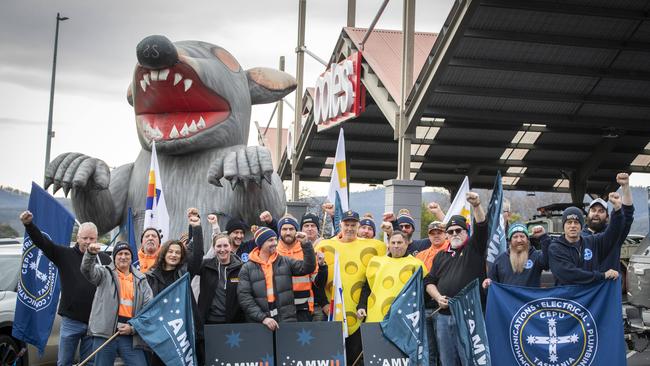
x,y
456,243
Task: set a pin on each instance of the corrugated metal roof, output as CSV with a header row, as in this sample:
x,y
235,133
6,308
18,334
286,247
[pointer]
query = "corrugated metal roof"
x,y
383,52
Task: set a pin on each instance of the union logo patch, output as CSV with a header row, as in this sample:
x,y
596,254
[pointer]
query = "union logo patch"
x,y
38,277
553,331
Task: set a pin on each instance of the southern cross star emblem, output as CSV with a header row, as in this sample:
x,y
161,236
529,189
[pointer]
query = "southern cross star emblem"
x,y
233,339
552,340
305,337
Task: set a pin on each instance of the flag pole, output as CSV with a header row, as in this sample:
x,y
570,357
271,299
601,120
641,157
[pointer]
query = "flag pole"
x,y
82,363
322,226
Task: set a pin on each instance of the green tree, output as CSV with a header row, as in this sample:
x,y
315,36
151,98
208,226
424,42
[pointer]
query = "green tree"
x,y
426,217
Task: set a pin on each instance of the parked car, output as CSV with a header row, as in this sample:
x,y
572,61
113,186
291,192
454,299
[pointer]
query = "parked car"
x,y
10,262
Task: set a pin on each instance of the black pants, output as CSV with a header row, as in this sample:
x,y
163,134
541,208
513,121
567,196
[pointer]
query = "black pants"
x,y
353,348
304,316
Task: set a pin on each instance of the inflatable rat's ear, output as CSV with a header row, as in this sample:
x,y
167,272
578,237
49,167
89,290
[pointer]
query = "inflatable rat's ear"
x,y
269,85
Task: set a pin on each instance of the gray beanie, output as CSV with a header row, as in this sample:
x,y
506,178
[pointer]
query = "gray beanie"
x,y
573,213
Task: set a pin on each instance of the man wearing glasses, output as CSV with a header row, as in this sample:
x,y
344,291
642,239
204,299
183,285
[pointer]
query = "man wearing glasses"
x,y
453,269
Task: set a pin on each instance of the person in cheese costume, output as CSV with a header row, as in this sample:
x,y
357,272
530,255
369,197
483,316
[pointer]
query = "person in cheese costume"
x,y
354,255
386,276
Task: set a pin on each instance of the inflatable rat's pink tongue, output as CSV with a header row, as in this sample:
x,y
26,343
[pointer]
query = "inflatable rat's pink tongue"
x,y
173,103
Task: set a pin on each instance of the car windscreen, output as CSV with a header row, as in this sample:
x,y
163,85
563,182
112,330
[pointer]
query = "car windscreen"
x,y
9,272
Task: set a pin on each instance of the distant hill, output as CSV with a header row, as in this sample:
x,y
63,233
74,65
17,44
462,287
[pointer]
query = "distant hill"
x,y
13,202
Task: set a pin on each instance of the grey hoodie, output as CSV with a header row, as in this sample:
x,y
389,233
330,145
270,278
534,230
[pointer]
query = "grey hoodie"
x,y
103,315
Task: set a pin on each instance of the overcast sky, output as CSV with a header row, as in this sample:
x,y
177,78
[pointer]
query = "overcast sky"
x,y
96,57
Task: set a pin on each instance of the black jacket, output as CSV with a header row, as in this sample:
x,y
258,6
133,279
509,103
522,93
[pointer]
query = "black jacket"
x,y
252,286
192,264
76,292
578,263
210,279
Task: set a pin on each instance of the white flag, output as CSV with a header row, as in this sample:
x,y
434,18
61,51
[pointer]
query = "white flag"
x,y
337,306
156,214
339,181
460,206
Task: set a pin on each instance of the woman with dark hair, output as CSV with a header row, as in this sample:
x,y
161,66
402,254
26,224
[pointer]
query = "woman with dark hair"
x,y
171,263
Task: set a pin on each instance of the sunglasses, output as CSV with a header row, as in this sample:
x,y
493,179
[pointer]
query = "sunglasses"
x,y
455,231
405,226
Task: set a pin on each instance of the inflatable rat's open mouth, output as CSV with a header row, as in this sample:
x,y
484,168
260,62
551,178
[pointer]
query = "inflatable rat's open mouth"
x,y
173,103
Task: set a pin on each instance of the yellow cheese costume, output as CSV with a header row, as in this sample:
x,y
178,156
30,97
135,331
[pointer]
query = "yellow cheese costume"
x,y
354,257
386,278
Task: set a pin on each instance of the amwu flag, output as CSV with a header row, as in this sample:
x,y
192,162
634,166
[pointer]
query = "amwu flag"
x,y
156,214
496,223
338,192
565,325
166,324
38,288
404,324
468,314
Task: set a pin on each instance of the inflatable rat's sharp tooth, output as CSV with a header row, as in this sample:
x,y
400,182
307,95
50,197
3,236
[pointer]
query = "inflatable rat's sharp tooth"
x,y
154,75
147,79
188,84
177,78
193,127
162,75
201,123
173,134
143,85
157,133
185,130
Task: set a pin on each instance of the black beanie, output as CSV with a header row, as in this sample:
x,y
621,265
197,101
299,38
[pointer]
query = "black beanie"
x,y
573,213
120,246
235,224
309,218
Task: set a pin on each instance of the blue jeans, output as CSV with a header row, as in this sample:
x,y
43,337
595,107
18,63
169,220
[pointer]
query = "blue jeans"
x,y
449,346
430,322
71,334
122,346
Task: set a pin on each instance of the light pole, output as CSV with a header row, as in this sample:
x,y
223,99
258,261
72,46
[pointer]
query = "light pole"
x,y
50,133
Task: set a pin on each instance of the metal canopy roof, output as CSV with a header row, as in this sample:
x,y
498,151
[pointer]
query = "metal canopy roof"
x,y
554,94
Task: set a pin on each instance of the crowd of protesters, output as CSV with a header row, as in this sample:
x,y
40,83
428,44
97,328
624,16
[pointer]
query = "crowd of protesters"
x,y
284,273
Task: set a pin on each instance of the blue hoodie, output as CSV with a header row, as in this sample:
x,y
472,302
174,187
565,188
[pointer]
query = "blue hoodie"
x,y
612,259
502,272
578,263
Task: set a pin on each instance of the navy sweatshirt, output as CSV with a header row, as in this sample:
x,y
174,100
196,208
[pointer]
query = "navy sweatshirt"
x,y
612,259
502,272
577,263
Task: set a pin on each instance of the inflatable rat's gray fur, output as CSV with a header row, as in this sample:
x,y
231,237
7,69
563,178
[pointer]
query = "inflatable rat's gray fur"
x,y
194,99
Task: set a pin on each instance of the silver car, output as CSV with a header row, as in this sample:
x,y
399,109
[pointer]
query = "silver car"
x,y
10,260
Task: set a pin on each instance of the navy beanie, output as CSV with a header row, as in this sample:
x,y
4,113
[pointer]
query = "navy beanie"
x,y
309,218
369,222
573,213
120,246
262,235
287,220
406,219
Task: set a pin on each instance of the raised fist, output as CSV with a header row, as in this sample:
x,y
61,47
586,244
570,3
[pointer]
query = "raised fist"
x,y
389,216
623,179
537,231
266,217
94,248
615,200
212,219
192,212
473,199
26,217
386,227
301,237
328,207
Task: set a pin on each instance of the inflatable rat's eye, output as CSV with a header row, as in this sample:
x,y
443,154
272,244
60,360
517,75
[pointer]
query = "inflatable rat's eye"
x,y
226,58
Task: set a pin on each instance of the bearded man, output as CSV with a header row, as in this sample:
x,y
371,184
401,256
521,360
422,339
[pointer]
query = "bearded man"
x,y
521,264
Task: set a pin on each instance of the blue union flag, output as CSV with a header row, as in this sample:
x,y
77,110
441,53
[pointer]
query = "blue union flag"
x,y
566,325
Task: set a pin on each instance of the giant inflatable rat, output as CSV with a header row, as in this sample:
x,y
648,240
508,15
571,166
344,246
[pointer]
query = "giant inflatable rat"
x,y
194,99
